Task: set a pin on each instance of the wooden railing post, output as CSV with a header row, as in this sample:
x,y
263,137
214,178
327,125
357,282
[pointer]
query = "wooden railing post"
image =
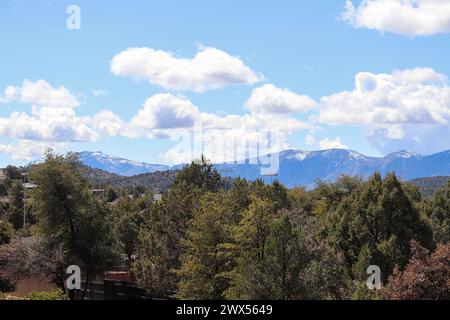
x,y
109,292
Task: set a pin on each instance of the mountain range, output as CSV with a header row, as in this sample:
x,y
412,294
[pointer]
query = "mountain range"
x,y
297,167
116,165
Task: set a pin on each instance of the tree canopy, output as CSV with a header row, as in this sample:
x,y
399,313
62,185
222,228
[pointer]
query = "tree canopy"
x,y
211,237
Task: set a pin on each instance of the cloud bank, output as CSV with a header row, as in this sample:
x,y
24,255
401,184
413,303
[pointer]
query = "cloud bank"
x,y
405,17
406,109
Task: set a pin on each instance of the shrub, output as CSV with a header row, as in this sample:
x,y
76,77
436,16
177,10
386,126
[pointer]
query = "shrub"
x,y
57,294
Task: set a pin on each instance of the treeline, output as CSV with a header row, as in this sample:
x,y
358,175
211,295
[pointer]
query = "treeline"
x,y
210,238
160,181
429,185
257,241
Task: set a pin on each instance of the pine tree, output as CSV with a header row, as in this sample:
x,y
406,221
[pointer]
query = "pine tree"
x,y
202,175
162,238
438,211
203,266
127,220
70,220
380,217
253,230
285,257
249,247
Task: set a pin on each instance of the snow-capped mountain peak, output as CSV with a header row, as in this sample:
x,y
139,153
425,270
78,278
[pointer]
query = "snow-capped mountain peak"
x,y
299,155
118,165
405,155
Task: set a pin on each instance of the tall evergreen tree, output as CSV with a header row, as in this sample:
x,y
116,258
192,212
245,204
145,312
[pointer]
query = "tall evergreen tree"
x,y
162,237
438,211
127,220
204,265
200,174
381,219
249,245
285,257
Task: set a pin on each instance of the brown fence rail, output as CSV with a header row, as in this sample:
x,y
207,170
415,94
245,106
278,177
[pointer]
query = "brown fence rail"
x,y
114,290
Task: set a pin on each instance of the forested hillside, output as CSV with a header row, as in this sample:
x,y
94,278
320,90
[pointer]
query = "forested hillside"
x,y
163,180
159,181
428,186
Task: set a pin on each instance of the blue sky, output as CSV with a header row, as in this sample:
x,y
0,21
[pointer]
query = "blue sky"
x,y
304,48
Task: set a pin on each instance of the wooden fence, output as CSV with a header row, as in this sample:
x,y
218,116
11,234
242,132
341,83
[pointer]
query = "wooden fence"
x,y
114,290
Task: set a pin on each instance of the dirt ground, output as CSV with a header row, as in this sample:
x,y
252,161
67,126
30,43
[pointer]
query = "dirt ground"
x,y
27,286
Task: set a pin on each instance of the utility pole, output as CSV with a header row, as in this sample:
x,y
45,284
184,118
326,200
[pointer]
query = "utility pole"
x,y
24,210
24,176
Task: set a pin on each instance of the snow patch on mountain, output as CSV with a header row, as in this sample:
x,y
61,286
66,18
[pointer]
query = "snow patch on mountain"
x,y
118,165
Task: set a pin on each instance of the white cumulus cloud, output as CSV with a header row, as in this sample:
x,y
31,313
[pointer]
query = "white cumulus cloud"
x,y
404,17
29,150
328,144
166,111
40,93
108,123
48,124
52,118
270,99
210,69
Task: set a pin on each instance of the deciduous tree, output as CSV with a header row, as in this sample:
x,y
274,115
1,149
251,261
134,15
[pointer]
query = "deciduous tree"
x,y
426,276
